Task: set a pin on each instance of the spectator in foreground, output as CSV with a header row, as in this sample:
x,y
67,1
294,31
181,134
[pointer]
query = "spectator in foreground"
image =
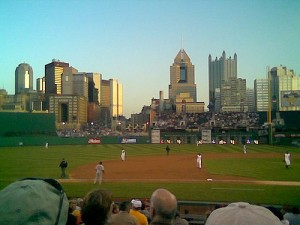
x,y
241,213
163,207
96,207
123,217
34,201
293,217
115,208
179,221
75,211
145,209
279,214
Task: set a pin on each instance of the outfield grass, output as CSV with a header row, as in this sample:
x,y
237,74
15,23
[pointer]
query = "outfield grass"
x,y
20,162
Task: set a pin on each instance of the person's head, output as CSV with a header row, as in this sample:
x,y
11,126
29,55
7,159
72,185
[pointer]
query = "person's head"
x,y
72,204
143,205
276,212
295,210
79,202
136,204
242,213
96,207
100,163
177,214
33,200
163,204
124,206
115,208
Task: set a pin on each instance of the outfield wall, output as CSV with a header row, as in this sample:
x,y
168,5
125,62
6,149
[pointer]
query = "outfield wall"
x,y
55,140
14,124
40,141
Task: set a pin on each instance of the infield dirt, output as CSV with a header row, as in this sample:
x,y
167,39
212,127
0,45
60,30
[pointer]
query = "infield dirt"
x,y
173,168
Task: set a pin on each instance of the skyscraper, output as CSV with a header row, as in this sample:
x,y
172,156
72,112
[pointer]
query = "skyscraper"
x,y
23,79
250,99
261,90
182,79
112,98
285,89
94,80
53,74
40,85
219,70
233,95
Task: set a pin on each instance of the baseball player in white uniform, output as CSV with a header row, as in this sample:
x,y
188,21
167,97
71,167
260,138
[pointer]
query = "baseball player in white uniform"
x,y
123,155
199,161
99,172
287,159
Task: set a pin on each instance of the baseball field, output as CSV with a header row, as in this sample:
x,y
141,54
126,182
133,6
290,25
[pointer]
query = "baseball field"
x,y
227,174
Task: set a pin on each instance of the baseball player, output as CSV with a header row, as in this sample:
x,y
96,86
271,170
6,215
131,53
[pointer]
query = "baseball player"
x,y
287,159
123,155
99,172
199,160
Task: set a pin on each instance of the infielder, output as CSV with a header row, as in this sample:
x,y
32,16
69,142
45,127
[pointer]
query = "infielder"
x,y
287,159
123,155
99,173
199,161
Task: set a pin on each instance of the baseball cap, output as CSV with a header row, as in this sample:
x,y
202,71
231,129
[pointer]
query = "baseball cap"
x,y
242,213
33,201
136,203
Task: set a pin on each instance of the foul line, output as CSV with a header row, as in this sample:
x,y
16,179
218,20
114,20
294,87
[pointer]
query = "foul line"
x,y
239,189
280,183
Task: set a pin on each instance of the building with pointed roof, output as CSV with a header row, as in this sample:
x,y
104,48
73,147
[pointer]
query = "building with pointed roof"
x,y
182,86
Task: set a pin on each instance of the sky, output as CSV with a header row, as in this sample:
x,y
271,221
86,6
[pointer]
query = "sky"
x,y
136,41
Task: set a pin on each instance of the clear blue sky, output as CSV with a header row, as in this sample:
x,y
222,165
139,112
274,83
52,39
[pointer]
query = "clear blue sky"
x,y
136,41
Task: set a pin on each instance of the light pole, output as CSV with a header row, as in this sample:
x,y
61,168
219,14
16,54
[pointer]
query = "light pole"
x,y
269,116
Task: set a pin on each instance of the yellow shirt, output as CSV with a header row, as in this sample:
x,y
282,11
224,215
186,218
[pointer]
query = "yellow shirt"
x,y
142,219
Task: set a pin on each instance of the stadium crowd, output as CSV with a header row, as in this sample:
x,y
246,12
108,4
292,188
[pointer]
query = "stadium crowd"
x,y
171,121
43,201
231,120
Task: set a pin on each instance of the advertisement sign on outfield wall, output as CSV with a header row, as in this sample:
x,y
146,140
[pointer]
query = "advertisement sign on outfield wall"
x,y
206,136
155,136
128,141
94,141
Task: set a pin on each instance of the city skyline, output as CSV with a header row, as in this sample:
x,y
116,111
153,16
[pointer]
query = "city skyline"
x,y
135,42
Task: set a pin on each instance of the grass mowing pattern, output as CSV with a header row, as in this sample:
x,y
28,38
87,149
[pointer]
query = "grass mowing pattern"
x,y
36,161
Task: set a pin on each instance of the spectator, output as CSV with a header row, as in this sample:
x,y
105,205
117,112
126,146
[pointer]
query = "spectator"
x,y
242,213
146,210
163,206
34,201
136,205
71,219
179,221
115,209
278,213
79,203
123,217
293,217
75,211
96,207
